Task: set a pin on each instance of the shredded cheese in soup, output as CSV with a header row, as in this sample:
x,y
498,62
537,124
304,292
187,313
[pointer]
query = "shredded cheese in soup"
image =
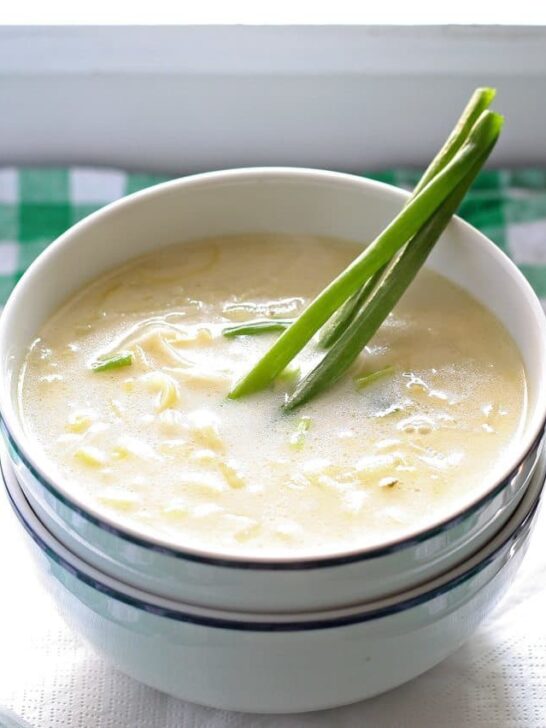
x,y
416,430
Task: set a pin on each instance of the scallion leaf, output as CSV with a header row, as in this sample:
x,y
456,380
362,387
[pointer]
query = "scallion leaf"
x,y
389,291
116,361
405,225
479,101
251,328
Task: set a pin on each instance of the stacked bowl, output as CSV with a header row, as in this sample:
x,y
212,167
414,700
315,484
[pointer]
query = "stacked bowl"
x,y
264,634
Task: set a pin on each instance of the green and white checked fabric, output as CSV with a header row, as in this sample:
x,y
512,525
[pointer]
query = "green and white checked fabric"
x,y
37,205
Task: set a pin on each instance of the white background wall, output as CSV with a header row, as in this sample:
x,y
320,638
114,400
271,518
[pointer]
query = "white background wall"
x,y
180,99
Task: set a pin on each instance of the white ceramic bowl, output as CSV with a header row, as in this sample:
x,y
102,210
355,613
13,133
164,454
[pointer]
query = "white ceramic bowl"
x,y
277,662
261,200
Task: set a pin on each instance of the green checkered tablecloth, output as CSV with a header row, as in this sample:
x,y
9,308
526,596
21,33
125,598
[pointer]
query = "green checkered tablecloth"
x,y
37,205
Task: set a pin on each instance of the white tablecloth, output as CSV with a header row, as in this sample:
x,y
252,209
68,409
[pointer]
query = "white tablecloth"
x,y
52,680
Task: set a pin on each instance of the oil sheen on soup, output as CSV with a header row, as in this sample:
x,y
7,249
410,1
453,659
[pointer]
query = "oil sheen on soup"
x,y
156,446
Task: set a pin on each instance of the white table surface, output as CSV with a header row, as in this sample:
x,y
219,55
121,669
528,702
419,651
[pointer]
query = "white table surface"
x,y
52,680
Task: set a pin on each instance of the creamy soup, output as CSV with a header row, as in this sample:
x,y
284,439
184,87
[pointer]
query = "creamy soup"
x,y
157,446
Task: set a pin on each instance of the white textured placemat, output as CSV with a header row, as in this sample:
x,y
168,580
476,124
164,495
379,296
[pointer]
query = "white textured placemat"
x,y
52,680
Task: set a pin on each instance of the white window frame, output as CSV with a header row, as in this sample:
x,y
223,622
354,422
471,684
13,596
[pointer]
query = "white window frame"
x,y
188,98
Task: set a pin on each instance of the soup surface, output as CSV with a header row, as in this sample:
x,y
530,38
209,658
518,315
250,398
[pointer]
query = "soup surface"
x,y
157,446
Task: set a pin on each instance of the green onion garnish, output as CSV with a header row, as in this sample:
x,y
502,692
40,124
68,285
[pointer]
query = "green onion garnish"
x,y
421,221
366,379
333,328
479,101
261,326
389,291
123,359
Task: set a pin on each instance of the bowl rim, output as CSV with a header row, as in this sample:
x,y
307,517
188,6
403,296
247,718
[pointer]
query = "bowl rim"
x,y
510,535
18,439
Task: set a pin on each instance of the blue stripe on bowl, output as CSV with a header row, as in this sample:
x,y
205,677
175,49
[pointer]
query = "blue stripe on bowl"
x,y
519,533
